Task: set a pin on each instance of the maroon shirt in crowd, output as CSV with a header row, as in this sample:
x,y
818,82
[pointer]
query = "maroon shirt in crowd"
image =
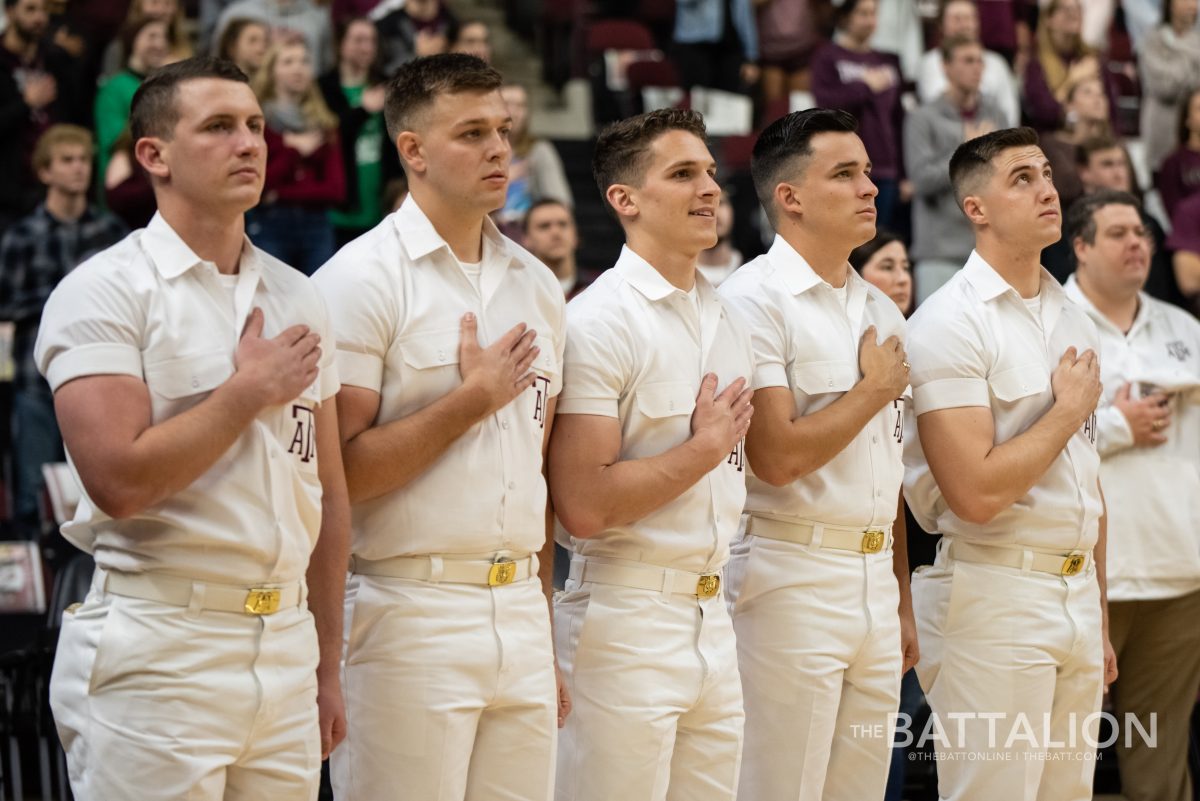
x,y
1178,178
317,180
837,83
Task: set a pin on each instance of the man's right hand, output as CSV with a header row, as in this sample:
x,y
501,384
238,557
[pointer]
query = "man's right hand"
x,y
500,372
276,370
721,421
1147,417
40,91
1076,383
884,365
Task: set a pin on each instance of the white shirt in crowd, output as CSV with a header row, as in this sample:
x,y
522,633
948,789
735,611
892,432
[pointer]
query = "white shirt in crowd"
x,y
805,336
150,308
637,350
1152,493
998,83
974,342
396,296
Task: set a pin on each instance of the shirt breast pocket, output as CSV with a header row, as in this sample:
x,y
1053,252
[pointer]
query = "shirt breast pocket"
x,y
810,380
430,364
1015,384
178,384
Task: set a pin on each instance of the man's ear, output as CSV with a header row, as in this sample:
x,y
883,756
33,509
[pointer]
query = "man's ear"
x,y
149,152
1079,248
621,198
972,206
411,151
787,201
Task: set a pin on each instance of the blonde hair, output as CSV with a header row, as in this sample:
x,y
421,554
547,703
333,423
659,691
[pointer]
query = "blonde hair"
x,y
56,136
312,104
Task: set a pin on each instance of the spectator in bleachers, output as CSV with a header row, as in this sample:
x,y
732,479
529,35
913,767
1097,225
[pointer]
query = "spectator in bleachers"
x,y
1085,107
1061,62
286,19
1004,28
342,11
170,12
942,235
847,74
716,44
39,86
128,192
536,170
145,45
998,84
788,36
413,28
35,254
1179,175
474,39
305,177
722,259
884,262
549,233
1184,243
354,91
899,31
244,42
1169,64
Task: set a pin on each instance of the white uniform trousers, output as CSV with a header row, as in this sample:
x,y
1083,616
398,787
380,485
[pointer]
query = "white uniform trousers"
x,y
657,699
161,703
818,635
1016,661
450,692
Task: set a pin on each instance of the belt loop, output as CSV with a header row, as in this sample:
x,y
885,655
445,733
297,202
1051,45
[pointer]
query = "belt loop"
x,y
196,599
668,584
818,533
1026,560
435,569
577,570
303,592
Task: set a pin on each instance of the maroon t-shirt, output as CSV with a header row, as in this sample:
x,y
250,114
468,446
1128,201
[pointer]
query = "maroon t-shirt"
x,y
837,83
1178,178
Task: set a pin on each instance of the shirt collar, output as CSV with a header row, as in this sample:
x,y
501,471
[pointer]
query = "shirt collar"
x,y
990,285
419,238
172,257
1073,291
643,277
797,274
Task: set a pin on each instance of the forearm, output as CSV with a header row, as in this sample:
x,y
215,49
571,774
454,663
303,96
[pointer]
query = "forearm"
x,y
327,579
779,456
1100,556
900,559
1012,468
372,459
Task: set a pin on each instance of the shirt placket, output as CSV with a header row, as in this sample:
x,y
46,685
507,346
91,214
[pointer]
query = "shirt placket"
x,y
701,327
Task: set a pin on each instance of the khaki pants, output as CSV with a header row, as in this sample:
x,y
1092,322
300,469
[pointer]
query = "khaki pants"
x,y
818,639
161,703
657,699
1158,654
1026,650
450,693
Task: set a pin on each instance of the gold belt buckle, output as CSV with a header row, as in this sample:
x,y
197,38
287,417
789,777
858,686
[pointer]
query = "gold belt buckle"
x,y
1073,564
872,541
262,601
502,571
708,586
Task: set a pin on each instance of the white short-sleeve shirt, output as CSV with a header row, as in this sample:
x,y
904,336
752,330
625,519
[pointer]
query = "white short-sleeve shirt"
x,y
806,339
1152,494
150,308
637,350
396,297
974,342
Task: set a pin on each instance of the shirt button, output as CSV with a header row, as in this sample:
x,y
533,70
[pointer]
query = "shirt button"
x,y
504,424
671,405
512,485
874,439
831,383
441,355
195,383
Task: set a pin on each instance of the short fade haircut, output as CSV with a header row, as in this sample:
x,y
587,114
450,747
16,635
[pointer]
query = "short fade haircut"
x,y
57,136
622,148
784,146
1081,217
542,203
154,111
1095,144
972,160
417,84
952,43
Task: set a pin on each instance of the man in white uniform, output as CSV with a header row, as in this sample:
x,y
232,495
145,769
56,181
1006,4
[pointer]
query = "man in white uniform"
x,y
817,585
647,475
198,414
1012,620
449,667
1148,433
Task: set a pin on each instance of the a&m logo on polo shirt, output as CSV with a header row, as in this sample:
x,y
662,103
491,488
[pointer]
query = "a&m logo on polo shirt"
x,y
1178,350
541,385
303,444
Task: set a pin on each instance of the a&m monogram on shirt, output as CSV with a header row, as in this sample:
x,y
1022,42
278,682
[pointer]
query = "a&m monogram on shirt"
x,y
304,444
1089,428
541,385
737,456
898,431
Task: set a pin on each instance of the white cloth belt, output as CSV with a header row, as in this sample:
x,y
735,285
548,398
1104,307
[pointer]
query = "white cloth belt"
x,y
640,576
487,569
263,599
807,532
1058,563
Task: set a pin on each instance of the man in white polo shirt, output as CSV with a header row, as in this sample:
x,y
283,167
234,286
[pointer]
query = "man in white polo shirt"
x,y
1012,620
198,414
1148,433
449,671
647,473
819,582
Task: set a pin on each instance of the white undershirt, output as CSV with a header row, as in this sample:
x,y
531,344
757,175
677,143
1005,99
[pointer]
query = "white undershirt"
x,y
473,270
842,293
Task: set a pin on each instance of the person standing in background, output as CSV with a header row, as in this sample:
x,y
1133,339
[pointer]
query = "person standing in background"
x,y
244,42
1168,65
536,171
997,84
